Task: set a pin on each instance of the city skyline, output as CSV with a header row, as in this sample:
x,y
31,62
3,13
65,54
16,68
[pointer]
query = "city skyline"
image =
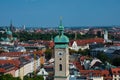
x,y
46,13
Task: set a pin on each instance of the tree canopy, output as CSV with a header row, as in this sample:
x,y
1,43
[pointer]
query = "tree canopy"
x,y
48,54
25,36
103,57
8,77
116,61
33,78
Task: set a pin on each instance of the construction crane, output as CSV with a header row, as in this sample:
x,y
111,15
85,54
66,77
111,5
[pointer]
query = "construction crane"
x,y
34,64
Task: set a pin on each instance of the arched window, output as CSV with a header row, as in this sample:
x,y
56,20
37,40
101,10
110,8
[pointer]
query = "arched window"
x,y
60,67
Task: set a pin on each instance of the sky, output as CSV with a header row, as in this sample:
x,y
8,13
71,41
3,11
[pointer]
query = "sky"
x,y
46,13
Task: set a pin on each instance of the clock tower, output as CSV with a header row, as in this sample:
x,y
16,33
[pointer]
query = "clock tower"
x,y
61,55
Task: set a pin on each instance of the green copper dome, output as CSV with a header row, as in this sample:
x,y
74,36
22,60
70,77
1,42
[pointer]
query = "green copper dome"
x,y
7,40
61,41
8,32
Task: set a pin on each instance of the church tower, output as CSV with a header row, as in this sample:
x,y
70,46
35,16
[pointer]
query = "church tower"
x,y
61,55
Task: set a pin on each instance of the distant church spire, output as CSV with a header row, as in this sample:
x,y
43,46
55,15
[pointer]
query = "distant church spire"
x,y
12,28
11,23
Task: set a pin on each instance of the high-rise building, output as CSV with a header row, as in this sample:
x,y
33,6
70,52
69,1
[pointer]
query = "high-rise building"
x,y
105,36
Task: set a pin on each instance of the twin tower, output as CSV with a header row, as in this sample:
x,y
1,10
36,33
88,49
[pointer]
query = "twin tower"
x,y
61,51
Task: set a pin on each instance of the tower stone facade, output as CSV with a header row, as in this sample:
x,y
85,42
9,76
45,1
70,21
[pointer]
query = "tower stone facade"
x,y
61,55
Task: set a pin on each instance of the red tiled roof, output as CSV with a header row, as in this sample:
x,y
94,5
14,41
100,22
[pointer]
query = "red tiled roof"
x,y
106,74
48,67
40,52
27,57
2,70
78,65
82,58
26,45
115,71
11,54
90,73
14,62
87,41
51,44
116,44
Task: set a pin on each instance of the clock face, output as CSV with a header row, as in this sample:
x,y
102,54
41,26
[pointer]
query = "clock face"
x,y
60,53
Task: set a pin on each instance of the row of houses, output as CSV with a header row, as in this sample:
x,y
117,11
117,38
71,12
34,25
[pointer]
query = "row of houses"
x,y
20,64
84,44
112,51
94,69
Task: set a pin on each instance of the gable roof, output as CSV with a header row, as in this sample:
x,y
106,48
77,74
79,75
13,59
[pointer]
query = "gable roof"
x,y
87,41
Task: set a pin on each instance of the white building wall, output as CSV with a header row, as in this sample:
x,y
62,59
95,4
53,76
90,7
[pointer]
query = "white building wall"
x,y
106,35
27,68
32,66
80,47
86,64
116,77
17,73
96,78
38,62
84,47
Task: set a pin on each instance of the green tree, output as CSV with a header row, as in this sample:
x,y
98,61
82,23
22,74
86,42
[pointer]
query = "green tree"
x,y
99,34
103,57
84,52
116,61
33,78
48,54
25,36
8,77
72,51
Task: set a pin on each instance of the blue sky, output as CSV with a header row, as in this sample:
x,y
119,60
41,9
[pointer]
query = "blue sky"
x,y
47,12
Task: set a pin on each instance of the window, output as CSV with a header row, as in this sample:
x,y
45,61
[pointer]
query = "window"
x,y
118,71
42,72
104,75
60,59
60,67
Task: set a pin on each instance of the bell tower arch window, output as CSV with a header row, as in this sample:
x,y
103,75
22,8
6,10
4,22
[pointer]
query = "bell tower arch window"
x,y
60,67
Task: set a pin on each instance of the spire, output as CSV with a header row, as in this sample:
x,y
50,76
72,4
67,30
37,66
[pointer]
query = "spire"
x,y
61,28
10,23
60,20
